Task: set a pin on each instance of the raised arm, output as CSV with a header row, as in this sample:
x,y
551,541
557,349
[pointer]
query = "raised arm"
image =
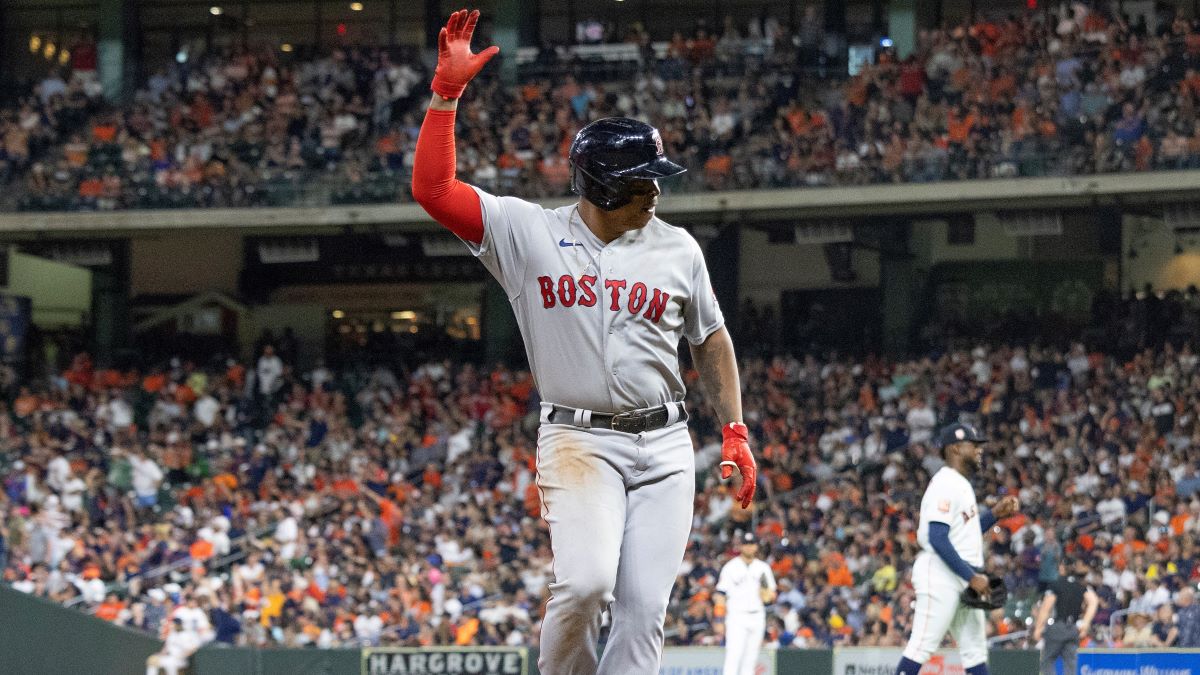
x,y
448,200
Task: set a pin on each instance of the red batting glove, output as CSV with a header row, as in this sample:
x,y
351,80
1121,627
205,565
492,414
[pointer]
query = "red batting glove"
x,y
456,64
735,451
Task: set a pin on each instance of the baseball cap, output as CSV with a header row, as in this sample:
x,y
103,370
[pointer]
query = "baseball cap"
x,y
958,433
749,538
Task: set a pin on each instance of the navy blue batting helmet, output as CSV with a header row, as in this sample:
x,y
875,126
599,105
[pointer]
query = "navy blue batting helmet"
x,y
958,433
610,153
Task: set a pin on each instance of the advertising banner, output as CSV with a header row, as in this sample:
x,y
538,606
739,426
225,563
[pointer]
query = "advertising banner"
x,y
1137,662
445,661
708,661
883,660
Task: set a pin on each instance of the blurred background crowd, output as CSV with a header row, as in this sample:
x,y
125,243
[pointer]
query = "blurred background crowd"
x,y
267,505
1030,95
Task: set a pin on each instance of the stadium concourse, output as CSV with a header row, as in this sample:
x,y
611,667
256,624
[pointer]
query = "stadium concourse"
x,y
268,506
1024,96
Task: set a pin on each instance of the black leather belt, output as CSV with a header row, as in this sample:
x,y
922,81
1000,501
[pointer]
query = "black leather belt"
x,y
631,422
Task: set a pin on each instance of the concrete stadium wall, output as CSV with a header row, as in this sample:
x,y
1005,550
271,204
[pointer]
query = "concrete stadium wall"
x,y
186,263
60,294
1155,261
767,269
930,246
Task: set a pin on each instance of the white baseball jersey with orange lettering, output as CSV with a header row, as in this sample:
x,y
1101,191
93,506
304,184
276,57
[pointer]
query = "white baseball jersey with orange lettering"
x,y
950,499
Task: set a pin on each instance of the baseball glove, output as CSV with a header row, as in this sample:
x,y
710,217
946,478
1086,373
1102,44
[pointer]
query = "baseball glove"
x,y
996,597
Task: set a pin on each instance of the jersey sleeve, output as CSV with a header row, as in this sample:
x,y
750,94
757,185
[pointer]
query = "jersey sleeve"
x,y
507,222
769,577
724,584
702,316
938,505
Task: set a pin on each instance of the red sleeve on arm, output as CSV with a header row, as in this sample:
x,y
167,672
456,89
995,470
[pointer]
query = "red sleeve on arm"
x,y
450,201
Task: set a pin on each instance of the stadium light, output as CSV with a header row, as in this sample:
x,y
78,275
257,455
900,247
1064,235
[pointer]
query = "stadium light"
x,y
35,44
215,10
406,315
64,56
286,47
356,7
339,314
48,52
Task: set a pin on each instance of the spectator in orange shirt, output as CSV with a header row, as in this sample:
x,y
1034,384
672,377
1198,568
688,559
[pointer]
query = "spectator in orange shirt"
x,y
110,609
837,573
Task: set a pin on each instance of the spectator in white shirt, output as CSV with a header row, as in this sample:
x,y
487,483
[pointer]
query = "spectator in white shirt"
x,y
147,476
120,413
72,494
58,472
268,371
286,534
920,420
206,410
1112,509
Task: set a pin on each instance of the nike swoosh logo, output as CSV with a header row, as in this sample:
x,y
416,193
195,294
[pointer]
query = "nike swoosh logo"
x,y
566,244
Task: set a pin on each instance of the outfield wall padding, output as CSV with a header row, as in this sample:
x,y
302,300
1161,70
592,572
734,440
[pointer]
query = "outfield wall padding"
x,y
39,637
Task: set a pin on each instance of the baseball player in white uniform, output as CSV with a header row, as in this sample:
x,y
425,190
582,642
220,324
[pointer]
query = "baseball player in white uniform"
x,y
951,558
746,585
603,292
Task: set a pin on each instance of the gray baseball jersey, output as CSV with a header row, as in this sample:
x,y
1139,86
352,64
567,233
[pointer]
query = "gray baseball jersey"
x,y
601,323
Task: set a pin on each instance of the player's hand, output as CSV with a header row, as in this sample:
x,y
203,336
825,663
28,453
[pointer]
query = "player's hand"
x,y
456,64
979,583
1007,506
735,452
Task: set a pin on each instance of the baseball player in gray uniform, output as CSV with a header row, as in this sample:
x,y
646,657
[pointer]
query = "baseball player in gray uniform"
x,y
603,292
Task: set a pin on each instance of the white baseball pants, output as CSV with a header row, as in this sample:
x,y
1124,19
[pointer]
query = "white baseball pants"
x,y
743,640
619,508
938,611
169,664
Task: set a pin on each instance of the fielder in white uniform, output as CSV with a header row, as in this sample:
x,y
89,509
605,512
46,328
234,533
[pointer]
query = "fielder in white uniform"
x,y
603,291
178,646
745,587
951,538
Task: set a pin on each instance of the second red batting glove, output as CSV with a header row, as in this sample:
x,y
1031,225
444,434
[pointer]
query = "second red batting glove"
x,y
735,452
456,64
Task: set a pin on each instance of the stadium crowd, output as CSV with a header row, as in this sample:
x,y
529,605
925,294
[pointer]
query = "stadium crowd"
x,y
259,504
1035,94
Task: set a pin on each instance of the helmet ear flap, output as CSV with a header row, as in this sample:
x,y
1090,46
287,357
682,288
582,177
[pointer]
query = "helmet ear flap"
x,y
606,196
